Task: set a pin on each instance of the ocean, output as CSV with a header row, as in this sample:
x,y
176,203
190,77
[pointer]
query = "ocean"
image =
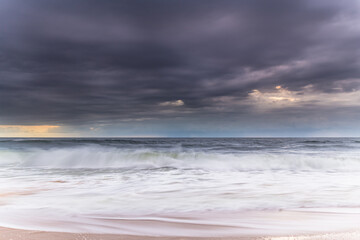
x,y
156,186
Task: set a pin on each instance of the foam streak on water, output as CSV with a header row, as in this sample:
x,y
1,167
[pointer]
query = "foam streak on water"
x,y
103,185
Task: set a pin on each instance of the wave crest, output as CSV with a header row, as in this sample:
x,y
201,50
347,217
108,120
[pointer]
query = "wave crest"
x,y
107,157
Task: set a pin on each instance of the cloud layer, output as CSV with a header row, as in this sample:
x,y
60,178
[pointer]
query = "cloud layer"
x,y
142,67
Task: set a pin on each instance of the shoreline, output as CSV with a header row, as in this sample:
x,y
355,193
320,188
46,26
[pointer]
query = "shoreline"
x,y
283,225
20,234
194,224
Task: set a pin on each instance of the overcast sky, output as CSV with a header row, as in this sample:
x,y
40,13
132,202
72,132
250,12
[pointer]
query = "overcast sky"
x,y
180,68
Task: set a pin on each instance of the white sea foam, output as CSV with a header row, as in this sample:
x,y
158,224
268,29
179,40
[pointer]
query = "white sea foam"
x,y
104,187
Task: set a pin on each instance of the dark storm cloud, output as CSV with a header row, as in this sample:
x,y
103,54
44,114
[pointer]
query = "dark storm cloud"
x,y
83,62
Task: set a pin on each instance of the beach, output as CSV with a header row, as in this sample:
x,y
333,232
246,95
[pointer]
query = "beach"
x,y
18,234
180,188
289,225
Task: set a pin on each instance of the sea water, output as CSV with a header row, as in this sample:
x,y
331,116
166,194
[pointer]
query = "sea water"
x,y
185,186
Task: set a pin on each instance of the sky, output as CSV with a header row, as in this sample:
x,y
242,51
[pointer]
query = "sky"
x,y
179,68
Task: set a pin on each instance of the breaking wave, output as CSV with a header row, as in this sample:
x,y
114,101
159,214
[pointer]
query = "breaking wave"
x,y
108,157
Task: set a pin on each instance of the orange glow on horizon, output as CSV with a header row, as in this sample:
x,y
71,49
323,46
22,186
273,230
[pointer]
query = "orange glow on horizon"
x,y
28,131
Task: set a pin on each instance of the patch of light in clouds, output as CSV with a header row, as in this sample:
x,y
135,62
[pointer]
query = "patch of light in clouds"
x,y
176,103
280,97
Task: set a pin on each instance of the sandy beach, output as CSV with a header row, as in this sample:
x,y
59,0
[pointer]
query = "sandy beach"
x,y
18,234
287,225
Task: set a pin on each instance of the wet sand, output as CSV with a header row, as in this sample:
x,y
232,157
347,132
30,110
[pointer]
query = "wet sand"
x,y
18,234
260,225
